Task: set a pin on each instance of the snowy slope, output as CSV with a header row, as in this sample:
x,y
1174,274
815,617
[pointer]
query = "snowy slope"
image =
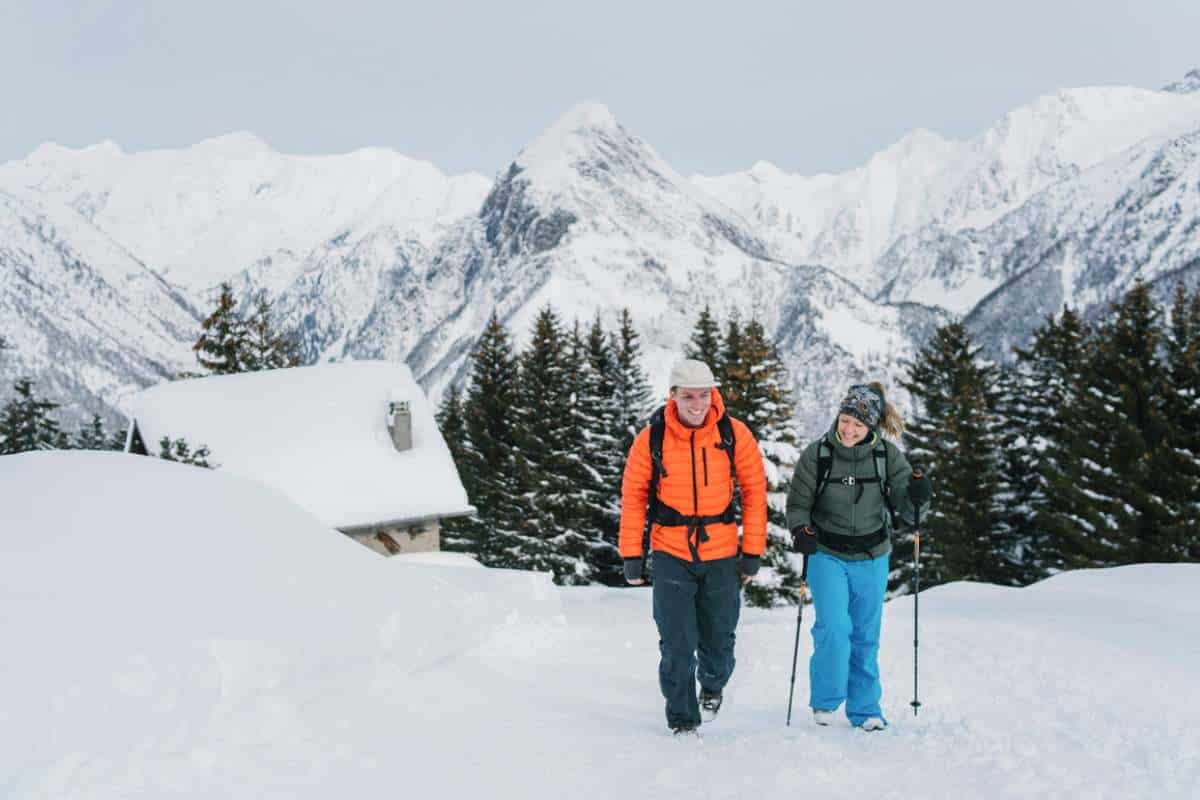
x,y
375,256
203,214
244,650
84,317
589,218
926,186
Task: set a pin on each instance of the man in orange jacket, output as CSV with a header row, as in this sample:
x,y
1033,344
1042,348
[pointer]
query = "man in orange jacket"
x,y
694,536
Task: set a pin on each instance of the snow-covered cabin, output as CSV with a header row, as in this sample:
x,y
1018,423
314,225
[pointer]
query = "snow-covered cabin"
x,y
354,443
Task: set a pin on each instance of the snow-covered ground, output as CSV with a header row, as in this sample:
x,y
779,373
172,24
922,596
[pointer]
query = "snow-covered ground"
x,y
170,631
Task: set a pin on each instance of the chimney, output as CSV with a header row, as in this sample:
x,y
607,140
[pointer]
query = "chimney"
x,y
400,424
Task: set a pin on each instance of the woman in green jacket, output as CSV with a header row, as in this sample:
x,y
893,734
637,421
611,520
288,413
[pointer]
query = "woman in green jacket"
x,y
845,490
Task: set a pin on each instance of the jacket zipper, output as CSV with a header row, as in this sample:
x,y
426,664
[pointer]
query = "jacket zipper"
x,y
695,489
704,457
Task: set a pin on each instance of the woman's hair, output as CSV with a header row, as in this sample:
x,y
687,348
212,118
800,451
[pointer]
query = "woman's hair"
x,y
891,424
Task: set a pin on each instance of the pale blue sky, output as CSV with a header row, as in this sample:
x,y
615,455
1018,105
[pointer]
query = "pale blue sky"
x,y
712,86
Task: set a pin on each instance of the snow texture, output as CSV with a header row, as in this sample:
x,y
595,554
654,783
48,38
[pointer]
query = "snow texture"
x,y
318,434
173,631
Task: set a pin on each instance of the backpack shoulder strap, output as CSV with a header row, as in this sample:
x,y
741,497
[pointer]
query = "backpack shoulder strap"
x,y
725,428
658,429
824,467
880,455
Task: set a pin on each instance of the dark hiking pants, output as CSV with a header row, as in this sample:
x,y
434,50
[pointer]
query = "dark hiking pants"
x,y
696,608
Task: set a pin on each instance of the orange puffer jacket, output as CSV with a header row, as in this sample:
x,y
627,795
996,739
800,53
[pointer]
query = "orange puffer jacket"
x,y
697,483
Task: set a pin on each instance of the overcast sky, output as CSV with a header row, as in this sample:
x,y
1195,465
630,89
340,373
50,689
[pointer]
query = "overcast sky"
x,y
713,87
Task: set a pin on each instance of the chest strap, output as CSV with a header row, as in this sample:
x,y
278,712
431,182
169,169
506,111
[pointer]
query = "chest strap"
x,y
669,517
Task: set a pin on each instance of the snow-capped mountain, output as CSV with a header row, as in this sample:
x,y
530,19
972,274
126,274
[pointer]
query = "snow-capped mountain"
x,y
588,218
907,225
229,204
227,209
83,316
374,255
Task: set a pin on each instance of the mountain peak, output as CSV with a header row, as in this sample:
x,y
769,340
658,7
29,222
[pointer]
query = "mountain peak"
x,y
570,135
588,114
235,144
1189,84
52,151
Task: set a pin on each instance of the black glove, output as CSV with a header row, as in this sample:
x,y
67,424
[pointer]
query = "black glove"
x,y
633,569
804,540
920,488
750,565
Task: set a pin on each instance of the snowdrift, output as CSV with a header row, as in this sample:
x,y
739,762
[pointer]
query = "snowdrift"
x,y
171,631
137,594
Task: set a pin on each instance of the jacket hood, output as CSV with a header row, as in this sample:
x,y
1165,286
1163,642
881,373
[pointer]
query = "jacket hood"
x,y
676,426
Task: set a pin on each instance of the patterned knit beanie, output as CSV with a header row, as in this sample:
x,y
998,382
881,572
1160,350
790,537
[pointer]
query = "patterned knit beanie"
x,y
864,404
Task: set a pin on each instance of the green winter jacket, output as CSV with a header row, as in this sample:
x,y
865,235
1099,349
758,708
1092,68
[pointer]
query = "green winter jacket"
x,y
837,512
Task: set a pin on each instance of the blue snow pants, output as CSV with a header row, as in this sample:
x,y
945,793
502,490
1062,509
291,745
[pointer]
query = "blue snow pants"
x,y
848,600
696,608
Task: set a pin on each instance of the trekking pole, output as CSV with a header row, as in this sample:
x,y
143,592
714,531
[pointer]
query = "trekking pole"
x,y
796,649
916,704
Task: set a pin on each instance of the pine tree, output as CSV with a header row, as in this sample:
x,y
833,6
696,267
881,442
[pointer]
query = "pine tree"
x,y
450,422
733,373
549,451
179,450
1183,416
1046,384
93,437
766,402
954,436
449,418
26,423
498,535
222,348
1128,431
264,346
706,341
600,420
630,388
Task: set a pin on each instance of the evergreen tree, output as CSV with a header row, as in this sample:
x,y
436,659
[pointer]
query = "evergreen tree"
x,y
549,449
954,436
450,422
766,402
265,347
497,536
600,419
1046,383
222,346
1183,416
93,437
733,373
449,418
1122,437
179,450
706,341
631,391
26,423
1018,482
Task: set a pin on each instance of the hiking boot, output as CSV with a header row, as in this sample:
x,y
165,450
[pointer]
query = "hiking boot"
x,y
873,724
710,704
823,717
687,729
